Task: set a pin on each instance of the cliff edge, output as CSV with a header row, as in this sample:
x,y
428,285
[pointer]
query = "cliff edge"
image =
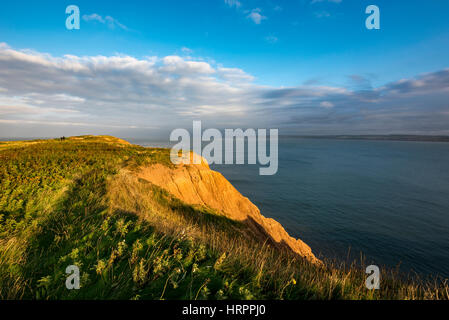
x,y
199,185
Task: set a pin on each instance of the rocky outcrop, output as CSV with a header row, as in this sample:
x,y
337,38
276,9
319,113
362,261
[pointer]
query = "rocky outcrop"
x,y
199,185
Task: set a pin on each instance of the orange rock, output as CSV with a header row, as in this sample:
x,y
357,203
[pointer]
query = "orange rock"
x,y
199,185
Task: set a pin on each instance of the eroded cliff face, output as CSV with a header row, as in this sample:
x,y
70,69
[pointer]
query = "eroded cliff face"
x,y
199,185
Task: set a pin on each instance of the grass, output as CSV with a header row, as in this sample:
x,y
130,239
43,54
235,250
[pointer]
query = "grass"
x,y
77,201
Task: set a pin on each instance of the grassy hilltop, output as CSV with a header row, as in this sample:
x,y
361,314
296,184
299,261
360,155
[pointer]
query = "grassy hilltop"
x,y
77,202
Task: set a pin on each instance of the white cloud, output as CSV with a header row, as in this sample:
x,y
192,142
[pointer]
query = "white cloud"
x,y
271,39
326,104
108,20
62,123
178,65
256,16
121,91
233,3
104,90
93,17
234,74
186,50
322,14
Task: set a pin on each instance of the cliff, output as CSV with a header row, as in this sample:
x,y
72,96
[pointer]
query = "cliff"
x,y
199,185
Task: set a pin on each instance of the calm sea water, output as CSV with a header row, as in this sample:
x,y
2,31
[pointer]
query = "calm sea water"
x,y
388,200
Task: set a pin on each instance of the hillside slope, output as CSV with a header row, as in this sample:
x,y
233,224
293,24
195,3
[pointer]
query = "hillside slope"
x,y
199,185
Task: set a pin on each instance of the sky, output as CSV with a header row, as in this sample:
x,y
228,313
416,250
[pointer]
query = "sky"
x,y
144,68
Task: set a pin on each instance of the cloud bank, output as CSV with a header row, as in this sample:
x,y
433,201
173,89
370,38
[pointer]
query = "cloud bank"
x,y
111,22
45,95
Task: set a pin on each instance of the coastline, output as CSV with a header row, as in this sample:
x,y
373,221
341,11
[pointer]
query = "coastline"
x,y
138,226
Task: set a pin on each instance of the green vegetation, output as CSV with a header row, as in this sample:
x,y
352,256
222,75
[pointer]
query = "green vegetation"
x,y
76,201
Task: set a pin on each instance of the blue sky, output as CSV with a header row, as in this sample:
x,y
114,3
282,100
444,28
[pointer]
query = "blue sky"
x,y
324,40
278,44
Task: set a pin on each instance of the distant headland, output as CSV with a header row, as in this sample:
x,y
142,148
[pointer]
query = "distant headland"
x,y
390,137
